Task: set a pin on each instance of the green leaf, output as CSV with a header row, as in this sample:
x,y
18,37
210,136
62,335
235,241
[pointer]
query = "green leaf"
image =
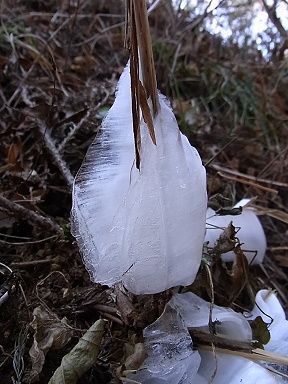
x,y
82,357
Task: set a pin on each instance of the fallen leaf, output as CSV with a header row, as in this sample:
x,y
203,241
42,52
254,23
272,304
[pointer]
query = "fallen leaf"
x,y
81,358
14,157
239,273
50,333
227,240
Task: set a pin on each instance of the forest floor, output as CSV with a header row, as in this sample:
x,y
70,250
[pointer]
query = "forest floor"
x,y
59,66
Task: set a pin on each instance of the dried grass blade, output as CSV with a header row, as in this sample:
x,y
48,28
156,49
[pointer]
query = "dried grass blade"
x,y
146,112
146,53
134,73
275,213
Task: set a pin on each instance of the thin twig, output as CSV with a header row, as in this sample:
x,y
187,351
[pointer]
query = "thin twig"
x,y
220,151
29,242
249,177
31,216
32,263
77,127
247,182
57,158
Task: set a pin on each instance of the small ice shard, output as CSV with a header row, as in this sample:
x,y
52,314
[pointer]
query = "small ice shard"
x,y
195,313
142,227
250,234
171,359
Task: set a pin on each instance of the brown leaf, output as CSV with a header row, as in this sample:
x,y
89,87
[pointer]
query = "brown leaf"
x,y
227,240
50,333
14,157
239,272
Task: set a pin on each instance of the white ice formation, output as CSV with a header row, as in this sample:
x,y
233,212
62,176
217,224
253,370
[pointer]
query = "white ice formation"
x,y
144,228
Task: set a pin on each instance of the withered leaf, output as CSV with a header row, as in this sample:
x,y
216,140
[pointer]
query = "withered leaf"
x,y
15,156
227,240
50,333
239,272
81,357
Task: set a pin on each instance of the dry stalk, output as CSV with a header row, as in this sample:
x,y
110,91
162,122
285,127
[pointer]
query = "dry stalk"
x,y
53,151
145,52
142,71
202,340
83,121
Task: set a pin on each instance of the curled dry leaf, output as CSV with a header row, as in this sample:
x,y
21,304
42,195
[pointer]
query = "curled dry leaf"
x,y
50,333
226,241
81,357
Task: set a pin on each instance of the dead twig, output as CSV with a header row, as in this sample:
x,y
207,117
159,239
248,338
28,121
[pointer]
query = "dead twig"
x,y
28,242
31,216
249,177
202,341
83,121
33,263
247,182
53,151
